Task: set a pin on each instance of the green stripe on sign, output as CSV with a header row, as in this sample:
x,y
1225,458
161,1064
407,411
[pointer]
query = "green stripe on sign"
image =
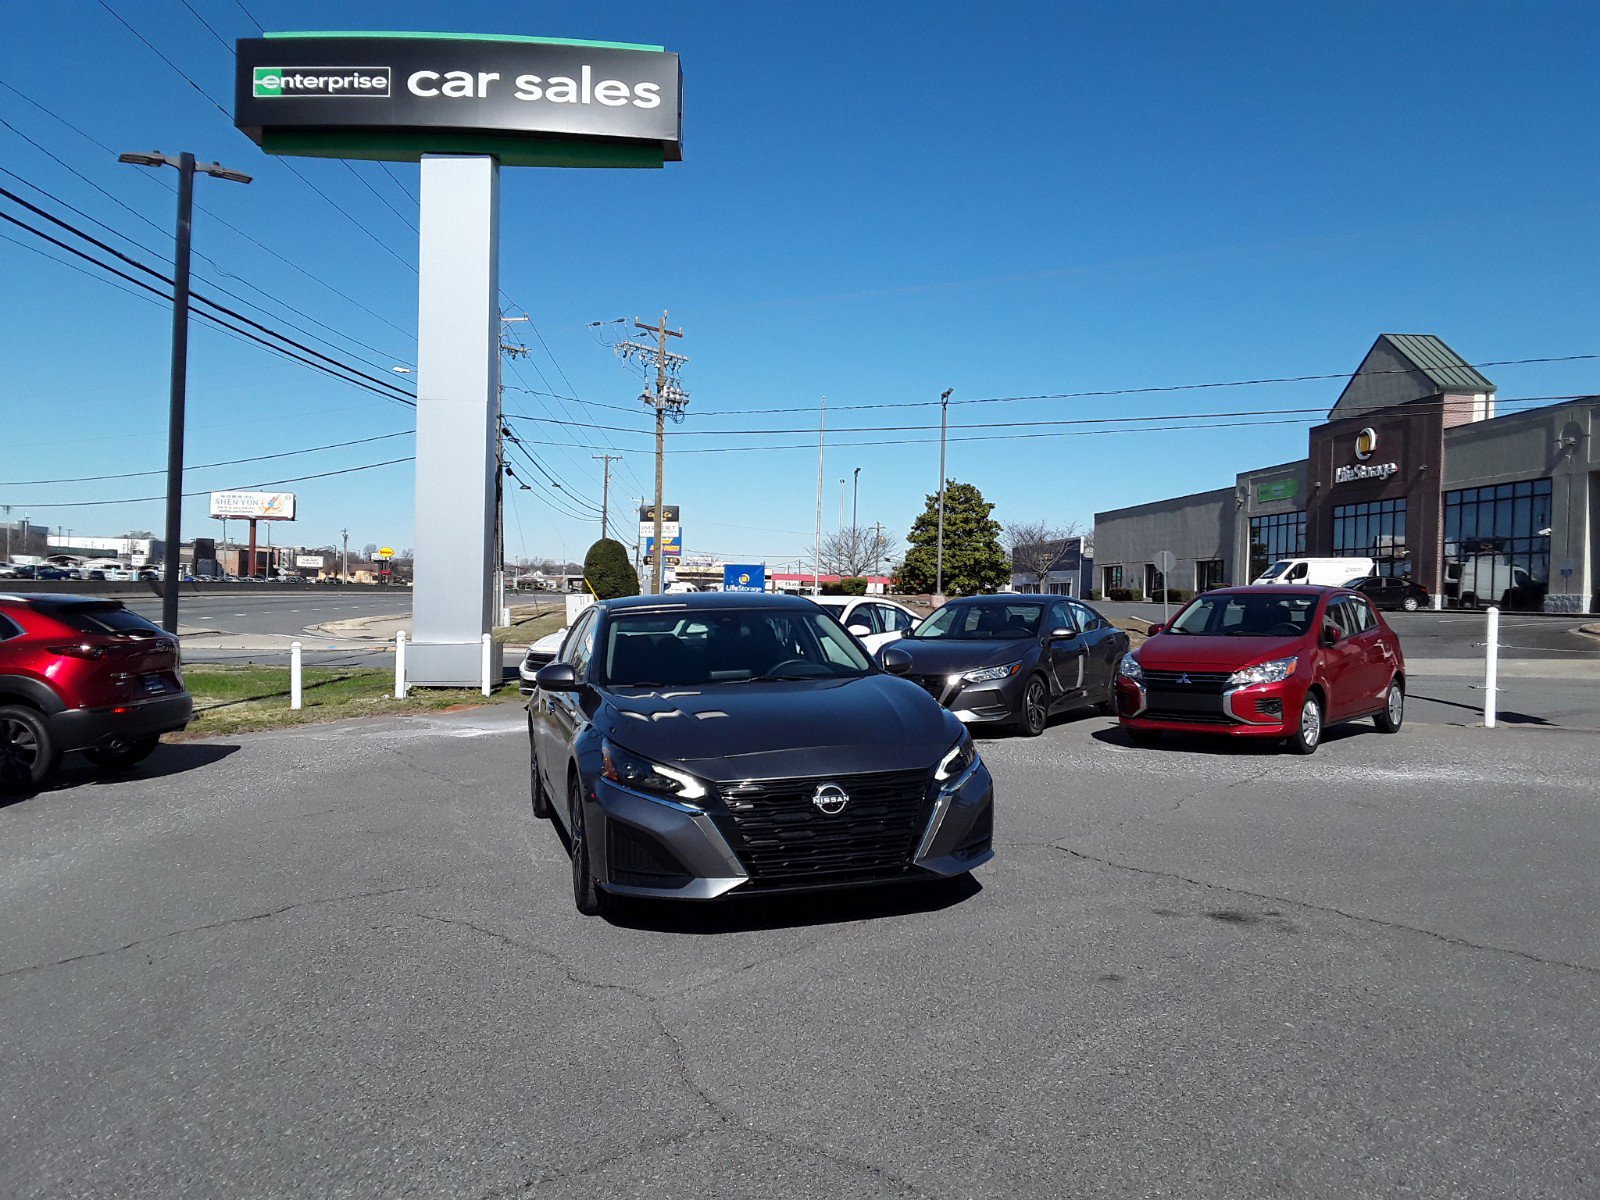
x,y
474,37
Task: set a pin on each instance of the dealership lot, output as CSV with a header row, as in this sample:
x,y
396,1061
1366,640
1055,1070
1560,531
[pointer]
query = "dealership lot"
x,y
344,961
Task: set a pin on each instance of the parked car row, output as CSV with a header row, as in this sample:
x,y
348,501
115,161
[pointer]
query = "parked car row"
x,y
698,746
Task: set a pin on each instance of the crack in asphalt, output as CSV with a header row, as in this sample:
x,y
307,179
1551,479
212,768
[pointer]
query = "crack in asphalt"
x,y
726,1118
260,916
1321,908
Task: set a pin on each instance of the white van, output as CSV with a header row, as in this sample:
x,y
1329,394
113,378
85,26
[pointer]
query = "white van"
x,y
1328,572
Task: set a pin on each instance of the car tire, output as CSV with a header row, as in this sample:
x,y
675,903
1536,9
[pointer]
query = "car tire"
x,y
1308,734
1143,737
1035,712
125,755
1410,604
540,797
1108,706
28,750
1469,601
586,894
1394,709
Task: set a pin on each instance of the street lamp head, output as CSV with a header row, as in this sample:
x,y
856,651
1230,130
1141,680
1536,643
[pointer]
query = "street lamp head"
x,y
154,159
218,171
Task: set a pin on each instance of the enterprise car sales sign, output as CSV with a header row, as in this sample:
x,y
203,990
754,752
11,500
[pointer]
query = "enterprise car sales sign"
x,y
397,96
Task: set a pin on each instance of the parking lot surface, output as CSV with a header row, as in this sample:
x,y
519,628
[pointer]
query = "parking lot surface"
x,y
343,961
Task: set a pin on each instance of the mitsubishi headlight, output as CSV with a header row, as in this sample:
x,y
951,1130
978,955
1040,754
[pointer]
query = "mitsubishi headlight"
x,y
963,755
1129,668
990,674
1275,671
652,778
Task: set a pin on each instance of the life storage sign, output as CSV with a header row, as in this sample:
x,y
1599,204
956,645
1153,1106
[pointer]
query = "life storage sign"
x,y
395,96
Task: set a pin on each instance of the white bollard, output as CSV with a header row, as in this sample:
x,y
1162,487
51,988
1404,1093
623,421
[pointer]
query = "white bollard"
x,y
294,676
505,615
400,665
488,651
1491,670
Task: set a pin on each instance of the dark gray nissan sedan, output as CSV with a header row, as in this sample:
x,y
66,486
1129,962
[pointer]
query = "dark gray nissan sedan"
x,y
709,745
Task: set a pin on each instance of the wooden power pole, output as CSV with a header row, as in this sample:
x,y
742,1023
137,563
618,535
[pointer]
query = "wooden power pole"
x,y
605,492
666,397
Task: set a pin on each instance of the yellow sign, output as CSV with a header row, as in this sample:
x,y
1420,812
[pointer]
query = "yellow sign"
x,y
385,552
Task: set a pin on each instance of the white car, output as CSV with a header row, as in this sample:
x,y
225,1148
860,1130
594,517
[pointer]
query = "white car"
x,y
875,621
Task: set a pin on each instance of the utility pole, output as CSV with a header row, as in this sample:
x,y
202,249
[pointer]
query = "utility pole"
x,y
516,351
344,571
944,413
877,547
816,562
7,507
668,396
179,381
841,506
605,491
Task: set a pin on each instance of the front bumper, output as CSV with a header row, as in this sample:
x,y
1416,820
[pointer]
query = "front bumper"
x,y
976,703
1268,710
656,848
93,728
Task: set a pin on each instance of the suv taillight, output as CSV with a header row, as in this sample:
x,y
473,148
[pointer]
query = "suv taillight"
x,y
80,650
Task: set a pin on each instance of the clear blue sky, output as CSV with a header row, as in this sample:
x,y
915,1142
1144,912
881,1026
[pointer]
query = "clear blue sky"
x,y
876,202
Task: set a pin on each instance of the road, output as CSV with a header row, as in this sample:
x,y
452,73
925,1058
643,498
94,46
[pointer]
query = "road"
x,y
343,961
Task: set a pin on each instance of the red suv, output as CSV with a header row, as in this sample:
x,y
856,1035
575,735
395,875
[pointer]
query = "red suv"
x,y
81,674
1270,662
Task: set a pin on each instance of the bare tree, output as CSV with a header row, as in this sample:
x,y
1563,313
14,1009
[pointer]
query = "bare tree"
x,y
853,552
1035,546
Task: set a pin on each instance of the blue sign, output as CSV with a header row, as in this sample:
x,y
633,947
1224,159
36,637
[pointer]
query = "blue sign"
x,y
736,578
672,547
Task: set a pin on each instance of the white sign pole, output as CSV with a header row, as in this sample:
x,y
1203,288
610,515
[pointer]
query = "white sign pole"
x,y
295,695
1491,670
488,656
400,665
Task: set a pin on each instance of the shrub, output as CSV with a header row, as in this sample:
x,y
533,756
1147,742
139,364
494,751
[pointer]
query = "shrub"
x,y
1125,594
608,572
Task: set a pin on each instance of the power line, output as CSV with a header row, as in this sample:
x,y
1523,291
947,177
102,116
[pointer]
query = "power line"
x,y
206,491
209,28
232,462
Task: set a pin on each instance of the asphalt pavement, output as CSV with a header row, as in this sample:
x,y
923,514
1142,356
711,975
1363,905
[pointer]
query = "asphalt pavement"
x,y
343,961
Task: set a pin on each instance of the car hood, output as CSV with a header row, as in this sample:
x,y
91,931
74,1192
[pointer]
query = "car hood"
x,y
1197,652
949,656
783,729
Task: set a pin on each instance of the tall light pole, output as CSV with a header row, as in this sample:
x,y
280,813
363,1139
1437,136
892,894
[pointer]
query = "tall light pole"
x,y
841,506
186,167
855,500
944,413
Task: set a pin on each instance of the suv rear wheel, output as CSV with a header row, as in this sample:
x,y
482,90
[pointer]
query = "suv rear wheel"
x,y
28,750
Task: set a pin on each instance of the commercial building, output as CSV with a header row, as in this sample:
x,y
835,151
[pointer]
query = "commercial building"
x,y
1068,567
1416,468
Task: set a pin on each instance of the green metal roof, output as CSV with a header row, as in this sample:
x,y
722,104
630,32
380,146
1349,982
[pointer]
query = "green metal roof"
x,y
1447,369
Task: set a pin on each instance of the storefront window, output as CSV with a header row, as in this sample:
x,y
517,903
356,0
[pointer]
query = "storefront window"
x,y
1282,535
1113,578
1497,545
1376,530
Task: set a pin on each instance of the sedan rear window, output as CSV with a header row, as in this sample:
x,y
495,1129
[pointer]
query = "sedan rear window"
x,y
105,618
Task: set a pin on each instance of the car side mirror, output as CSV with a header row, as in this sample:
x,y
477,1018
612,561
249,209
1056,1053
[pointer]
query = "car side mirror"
x,y
1155,628
1331,634
860,630
557,677
1063,634
896,662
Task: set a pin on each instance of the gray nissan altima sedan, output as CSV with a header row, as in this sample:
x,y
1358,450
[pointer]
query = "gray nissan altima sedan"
x,y
720,744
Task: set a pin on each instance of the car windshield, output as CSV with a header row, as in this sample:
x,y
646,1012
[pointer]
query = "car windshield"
x,y
991,620
1232,614
657,649
1276,569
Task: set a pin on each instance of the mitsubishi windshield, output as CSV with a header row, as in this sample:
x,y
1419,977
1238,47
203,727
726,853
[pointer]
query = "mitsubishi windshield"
x,y
1233,614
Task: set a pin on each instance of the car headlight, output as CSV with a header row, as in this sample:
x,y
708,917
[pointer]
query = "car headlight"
x,y
1129,668
990,674
1275,671
960,759
652,778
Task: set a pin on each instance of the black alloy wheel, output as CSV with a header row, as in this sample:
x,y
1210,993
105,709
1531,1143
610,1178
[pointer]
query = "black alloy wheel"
x,y
124,753
588,898
541,798
1035,712
28,752
1394,709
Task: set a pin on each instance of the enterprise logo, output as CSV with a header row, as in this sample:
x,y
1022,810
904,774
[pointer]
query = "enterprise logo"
x,y
327,82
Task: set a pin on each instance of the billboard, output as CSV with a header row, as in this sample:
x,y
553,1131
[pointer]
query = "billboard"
x,y
308,562
738,577
253,506
669,514
528,101
672,547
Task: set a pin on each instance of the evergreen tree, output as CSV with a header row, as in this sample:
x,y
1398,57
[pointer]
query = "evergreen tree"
x,y
608,572
974,563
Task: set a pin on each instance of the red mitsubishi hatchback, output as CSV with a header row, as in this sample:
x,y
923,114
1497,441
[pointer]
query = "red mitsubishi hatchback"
x,y
1265,662
82,674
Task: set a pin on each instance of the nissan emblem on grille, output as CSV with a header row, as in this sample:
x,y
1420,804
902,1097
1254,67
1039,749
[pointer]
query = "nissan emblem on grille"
x,y
830,798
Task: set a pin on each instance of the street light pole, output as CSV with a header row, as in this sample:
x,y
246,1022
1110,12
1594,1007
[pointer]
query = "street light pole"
x,y
944,412
186,167
855,500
